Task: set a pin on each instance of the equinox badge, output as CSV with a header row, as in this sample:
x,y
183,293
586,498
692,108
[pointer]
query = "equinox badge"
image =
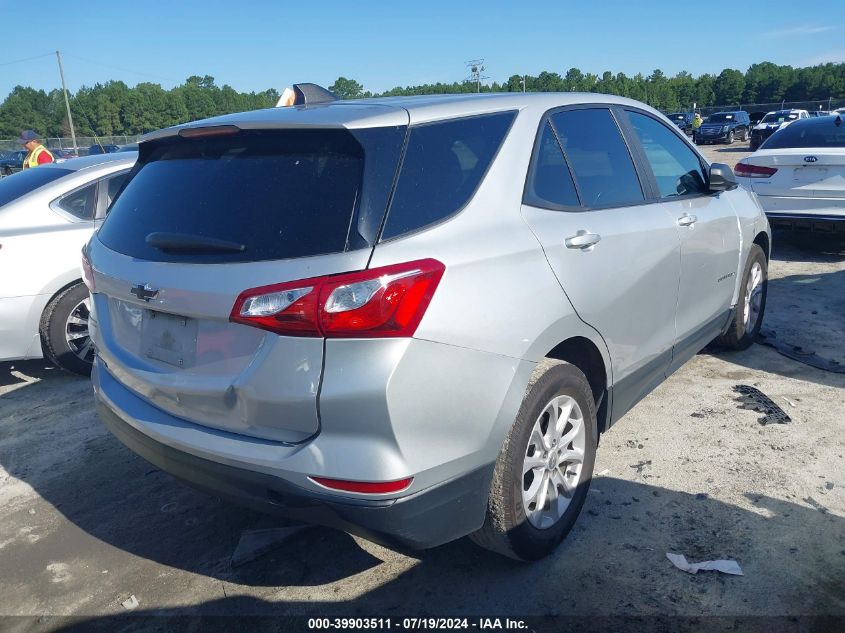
x,y
143,291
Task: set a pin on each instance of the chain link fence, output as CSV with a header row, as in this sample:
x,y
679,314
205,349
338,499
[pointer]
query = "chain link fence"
x,y
824,104
84,143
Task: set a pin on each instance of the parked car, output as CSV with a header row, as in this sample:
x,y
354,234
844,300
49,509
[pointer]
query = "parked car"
x,y
102,149
683,120
724,127
131,147
755,117
11,162
60,155
798,174
771,123
411,318
46,216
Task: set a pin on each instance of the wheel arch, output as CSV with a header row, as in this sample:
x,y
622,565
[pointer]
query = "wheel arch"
x,y
586,356
762,240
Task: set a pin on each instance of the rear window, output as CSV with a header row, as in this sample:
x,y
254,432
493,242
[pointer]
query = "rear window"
x,y
818,132
281,194
443,166
19,184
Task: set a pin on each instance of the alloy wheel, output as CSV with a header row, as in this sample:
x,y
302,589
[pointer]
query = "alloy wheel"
x,y
753,297
553,462
76,331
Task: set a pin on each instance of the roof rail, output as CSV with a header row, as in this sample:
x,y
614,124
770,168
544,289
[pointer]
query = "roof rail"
x,y
311,94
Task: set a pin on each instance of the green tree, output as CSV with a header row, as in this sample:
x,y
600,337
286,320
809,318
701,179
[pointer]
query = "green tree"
x,y
347,88
729,87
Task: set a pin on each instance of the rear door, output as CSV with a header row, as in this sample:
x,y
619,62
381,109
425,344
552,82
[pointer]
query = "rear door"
x,y
616,255
710,238
205,218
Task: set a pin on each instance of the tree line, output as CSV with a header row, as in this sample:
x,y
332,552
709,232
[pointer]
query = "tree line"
x,y
113,108
761,83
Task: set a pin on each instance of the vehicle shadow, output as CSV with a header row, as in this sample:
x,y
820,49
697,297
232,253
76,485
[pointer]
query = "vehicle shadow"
x,y
807,247
734,149
613,564
805,312
11,372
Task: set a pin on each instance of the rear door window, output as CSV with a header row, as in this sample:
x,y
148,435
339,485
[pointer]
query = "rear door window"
x,y
550,182
598,157
443,166
81,203
281,194
676,167
108,191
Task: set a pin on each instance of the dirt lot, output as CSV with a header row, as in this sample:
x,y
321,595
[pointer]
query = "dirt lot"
x,y
86,524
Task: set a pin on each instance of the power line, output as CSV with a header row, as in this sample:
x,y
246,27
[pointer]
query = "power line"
x,y
126,70
26,59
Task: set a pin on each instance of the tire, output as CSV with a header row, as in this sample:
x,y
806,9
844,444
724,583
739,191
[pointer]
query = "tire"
x,y
64,330
512,527
730,139
743,330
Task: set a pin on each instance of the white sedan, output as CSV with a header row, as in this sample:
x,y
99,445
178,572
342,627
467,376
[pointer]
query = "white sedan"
x,y
798,174
47,214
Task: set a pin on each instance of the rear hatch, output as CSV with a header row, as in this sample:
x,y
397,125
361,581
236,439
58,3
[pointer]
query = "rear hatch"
x,y
207,216
801,172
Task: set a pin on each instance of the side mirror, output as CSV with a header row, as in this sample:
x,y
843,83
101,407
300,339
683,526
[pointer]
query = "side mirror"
x,y
721,178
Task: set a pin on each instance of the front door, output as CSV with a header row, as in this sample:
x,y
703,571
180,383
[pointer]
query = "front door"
x,y
709,232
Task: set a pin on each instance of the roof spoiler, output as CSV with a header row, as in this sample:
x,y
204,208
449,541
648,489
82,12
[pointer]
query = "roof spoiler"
x,y
305,95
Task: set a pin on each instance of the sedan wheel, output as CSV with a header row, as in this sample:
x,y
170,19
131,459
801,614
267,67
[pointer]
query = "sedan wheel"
x,y
76,331
65,337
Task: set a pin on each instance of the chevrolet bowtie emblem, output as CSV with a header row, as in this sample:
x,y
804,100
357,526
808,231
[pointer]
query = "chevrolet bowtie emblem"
x,y
143,291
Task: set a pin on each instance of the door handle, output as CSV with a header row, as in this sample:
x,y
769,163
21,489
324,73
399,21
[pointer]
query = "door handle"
x,y
582,240
687,220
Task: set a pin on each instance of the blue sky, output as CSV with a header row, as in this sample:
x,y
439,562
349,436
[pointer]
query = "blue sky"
x,y
261,44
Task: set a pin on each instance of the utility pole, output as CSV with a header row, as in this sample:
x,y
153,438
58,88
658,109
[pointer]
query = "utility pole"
x,y
476,67
67,104
523,83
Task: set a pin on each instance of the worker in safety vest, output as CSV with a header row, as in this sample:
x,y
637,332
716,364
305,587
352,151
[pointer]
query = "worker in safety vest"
x,y
38,154
696,123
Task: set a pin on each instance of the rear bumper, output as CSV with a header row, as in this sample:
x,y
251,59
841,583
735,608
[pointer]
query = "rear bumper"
x,y
794,207
19,319
431,517
426,519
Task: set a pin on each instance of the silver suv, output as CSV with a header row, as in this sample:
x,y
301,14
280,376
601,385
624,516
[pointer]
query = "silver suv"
x,y
411,318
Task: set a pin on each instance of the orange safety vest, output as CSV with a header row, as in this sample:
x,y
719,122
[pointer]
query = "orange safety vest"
x,y
31,159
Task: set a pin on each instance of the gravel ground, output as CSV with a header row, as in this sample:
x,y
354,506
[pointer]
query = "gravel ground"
x,y
86,524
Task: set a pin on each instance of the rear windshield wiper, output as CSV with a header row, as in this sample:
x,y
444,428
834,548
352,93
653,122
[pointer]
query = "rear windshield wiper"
x,y
189,242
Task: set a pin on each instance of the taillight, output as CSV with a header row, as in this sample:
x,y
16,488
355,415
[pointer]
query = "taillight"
x,y
754,171
365,487
87,273
380,302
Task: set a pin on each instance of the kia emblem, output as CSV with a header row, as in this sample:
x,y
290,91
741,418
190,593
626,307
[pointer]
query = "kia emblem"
x,y
810,159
